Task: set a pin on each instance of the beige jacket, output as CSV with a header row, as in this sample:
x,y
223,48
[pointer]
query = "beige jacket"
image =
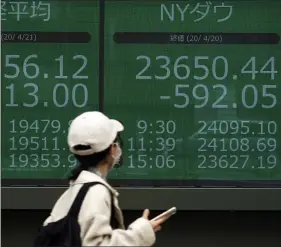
x,y
94,216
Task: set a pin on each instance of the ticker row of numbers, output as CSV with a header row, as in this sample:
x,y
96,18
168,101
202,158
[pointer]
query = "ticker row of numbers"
x,y
30,67
31,70
55,126
55,143
143,161
204,67
237,127
184,95
32,143
169,144
40,126
160,161
236,145
158,144
47,161
236,162
62,95
220,96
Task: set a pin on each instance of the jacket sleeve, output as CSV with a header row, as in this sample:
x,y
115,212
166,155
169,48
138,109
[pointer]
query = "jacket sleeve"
x,y
94,219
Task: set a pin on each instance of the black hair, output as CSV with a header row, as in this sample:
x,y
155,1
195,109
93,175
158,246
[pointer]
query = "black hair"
x,y
90,161
87,161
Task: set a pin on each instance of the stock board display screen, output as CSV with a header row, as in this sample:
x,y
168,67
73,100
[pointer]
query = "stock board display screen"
x,y
49,75
195,84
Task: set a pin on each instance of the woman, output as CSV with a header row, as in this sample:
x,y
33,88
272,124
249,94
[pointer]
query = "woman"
x,y
94,140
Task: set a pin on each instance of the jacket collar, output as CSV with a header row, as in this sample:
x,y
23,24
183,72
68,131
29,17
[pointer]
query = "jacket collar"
x,y
86,177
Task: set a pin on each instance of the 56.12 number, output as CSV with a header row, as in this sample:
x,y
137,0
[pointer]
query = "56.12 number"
x,y
31,69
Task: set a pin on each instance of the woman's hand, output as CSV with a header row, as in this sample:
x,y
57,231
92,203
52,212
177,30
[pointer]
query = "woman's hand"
x,y
156,224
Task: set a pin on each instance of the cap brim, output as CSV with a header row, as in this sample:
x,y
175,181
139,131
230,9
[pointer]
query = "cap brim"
x,y
117,125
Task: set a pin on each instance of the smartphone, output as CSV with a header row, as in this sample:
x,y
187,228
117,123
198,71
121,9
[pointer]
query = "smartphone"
x,y
167,214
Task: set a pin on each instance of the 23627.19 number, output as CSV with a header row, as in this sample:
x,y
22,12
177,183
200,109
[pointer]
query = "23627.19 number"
x,y
236,162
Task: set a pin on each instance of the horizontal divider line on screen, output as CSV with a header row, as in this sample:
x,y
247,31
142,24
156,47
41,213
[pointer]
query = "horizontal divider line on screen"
x,y
138,183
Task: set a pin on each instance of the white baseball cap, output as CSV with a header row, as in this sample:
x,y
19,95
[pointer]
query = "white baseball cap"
x,y
92,129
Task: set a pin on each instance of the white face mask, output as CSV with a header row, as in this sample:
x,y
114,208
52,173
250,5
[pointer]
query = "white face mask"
x,y
116,157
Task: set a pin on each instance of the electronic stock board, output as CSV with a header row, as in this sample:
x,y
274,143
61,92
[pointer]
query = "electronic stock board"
x,y
196,84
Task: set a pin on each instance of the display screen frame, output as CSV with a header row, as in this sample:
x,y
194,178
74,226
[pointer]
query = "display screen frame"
x,y
203,199
186,195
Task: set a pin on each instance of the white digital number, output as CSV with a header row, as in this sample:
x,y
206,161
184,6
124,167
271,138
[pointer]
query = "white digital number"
x,y
164,66
214,68
268,95
142,125
30,66
85,62
255,96
55,160
162,127
162,161
254,91
182,66
221,98
72,161
60,60
141,160
250,68
44,160
33,94
181,70
76,75
168,144
183,95
271,128
271,64
10,64
27,66
74,95
270,161
204,68
199,90
65,99
200,93
140,75
12,103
